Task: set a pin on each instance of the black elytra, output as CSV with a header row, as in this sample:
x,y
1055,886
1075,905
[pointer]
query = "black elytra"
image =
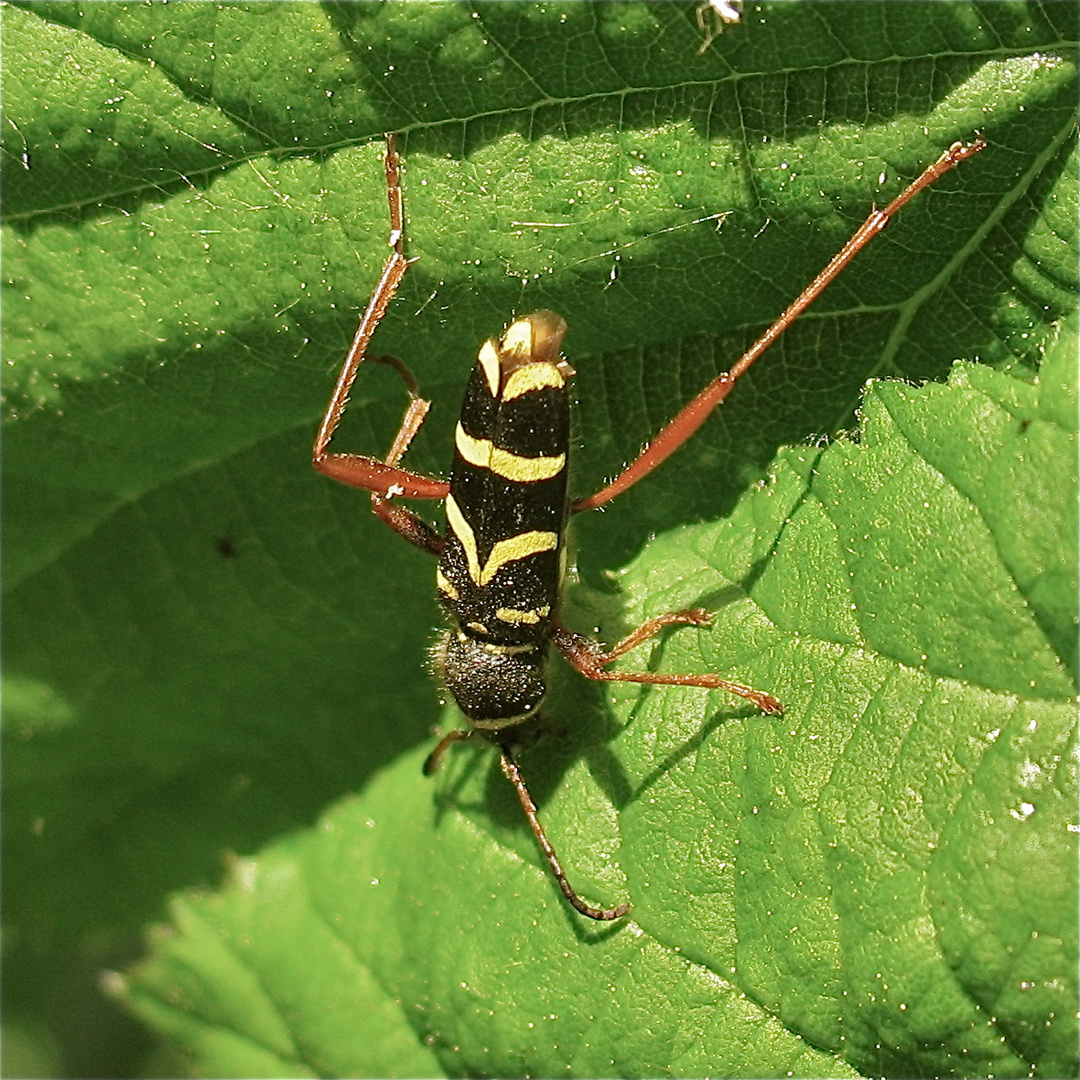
x,y
501,567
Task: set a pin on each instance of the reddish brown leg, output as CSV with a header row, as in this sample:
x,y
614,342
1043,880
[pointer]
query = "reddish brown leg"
x,y
358,470
436,755
404,522
587,657
513,774
695,413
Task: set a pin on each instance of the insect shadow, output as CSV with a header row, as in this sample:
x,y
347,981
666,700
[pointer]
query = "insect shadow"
x,y
576,725
605,766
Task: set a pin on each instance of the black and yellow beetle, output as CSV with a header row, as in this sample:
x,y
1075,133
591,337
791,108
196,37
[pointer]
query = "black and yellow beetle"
x,y
501,561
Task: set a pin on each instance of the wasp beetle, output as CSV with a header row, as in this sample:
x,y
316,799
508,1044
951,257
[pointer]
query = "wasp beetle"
x,y
502,558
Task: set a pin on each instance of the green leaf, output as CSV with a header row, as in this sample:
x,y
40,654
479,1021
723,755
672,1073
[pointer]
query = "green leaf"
x,y
884,877
208,645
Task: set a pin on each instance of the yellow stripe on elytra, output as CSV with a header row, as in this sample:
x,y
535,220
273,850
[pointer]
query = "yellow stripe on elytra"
x,y
489,364
522,470
515,548
505,551
518,339
530,377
